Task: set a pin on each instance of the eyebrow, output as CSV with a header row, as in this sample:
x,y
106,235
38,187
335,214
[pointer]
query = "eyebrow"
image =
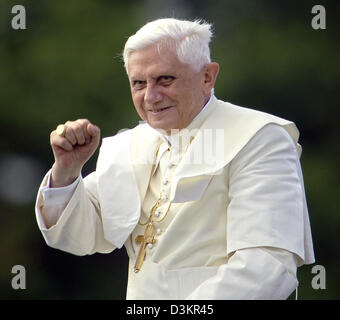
x,y
135,80
157,78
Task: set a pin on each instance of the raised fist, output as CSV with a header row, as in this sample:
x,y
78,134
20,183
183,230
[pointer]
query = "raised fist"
x,y
72,147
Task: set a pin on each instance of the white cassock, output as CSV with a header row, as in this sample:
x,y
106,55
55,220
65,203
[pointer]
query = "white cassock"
x,y
232,220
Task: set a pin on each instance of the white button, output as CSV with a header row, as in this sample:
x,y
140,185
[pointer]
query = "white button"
x,y
170,165
164,197
159,231
158,213
165,182
150,245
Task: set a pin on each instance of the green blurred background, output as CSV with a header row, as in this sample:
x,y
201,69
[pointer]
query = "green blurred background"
x,y
66,65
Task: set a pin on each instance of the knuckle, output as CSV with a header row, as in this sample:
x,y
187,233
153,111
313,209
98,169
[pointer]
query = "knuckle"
x,y
76,128
83,122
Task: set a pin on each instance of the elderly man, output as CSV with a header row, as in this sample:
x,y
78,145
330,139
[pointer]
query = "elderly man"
x,y
206,196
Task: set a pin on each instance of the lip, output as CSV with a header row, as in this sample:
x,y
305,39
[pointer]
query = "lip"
x,y
159,111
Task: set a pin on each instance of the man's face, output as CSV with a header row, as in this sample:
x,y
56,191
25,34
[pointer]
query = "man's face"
x,y
167,94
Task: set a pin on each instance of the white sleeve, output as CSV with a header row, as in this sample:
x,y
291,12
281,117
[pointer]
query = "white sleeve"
x,y
265,226
254,274
54,201
79,228
267,205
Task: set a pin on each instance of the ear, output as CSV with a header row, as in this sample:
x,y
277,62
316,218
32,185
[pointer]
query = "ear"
x,y
210,74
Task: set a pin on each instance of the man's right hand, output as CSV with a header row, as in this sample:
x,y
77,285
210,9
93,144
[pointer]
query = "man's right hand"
x,y
72,151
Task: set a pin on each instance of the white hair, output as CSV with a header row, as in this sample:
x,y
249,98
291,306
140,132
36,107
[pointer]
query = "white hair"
x,y
190,38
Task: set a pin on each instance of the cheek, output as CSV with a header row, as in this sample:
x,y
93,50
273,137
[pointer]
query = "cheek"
x,y
137,99
138,103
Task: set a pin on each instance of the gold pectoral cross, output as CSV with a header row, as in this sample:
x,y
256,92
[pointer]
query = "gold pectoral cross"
x,y
144,240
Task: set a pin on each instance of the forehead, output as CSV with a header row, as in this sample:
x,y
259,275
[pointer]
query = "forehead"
x,y
153,60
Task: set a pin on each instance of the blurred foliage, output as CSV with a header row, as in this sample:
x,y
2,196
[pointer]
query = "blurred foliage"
x,y
66,65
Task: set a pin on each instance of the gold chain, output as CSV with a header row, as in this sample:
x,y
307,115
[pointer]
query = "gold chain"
x,y
155,207
152,214
166,213
153,210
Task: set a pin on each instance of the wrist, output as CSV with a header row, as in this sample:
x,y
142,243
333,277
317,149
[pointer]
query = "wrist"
x,y
61,177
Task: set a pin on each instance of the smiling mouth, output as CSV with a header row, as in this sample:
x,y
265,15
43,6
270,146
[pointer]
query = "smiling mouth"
x,y
159,110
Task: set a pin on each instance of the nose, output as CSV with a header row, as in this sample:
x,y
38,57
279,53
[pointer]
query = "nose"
x,y
152,95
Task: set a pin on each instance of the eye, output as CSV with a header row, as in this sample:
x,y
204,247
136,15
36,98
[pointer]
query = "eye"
x,y
138,84
166,80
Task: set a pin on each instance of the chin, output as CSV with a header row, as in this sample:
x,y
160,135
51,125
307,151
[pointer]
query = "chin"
x,y
164,127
